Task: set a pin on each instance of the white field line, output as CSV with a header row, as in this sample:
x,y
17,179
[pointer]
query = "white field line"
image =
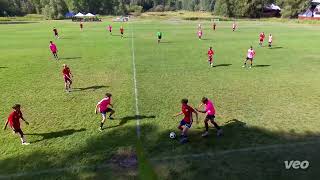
x,y
135,84
276,147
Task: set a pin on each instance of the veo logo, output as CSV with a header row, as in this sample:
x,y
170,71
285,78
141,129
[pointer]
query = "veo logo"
x,y
296,164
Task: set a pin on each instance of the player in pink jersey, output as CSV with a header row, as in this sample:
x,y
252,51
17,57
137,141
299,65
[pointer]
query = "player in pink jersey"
x,y
110,29
210,111
270,40
54,50
200,34
104,108
250,55
186,122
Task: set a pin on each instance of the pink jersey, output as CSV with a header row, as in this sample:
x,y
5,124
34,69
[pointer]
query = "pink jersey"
x,y
53,47
104,103
233,25
210,109
110,28
199,33
251,53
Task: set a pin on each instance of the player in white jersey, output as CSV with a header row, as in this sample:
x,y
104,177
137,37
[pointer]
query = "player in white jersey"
x,y
250,55
270,40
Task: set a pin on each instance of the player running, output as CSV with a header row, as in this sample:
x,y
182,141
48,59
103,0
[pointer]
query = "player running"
x,y
55,31
250,55
210,111
159,34
81,26
104,108
121,31
261,38
200,34
234,26
186,122
110,29
270,40
14,122
210,56
66,72
214,26
54,50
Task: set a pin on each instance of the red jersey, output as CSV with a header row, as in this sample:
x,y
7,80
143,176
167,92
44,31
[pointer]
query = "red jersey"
x,y
14,119
66,72
210,53
121,30
262,36
187,111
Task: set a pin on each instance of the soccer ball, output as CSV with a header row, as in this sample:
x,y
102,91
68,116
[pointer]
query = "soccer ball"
x,y
172,135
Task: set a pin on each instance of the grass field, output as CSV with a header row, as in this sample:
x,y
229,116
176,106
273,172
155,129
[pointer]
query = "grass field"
x,y
269,113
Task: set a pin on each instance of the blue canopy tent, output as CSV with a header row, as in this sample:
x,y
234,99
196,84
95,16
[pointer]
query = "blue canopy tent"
x,y
69,15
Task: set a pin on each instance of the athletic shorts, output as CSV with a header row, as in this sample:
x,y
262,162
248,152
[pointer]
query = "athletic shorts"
x,y
66,79
110,30
56,34
184,123
249,58
106,111
121,32
159,37
210,117
261,40
210,58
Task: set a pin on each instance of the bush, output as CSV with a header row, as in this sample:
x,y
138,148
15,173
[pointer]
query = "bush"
x,y
158,8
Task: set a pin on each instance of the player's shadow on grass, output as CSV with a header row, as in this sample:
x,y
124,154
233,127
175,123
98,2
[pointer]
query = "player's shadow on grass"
x,y
124,120
2,67
70,58
51,135
90,88
262,65
222,65
276,47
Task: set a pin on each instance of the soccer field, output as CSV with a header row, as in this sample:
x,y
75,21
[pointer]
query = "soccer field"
x,y
269,113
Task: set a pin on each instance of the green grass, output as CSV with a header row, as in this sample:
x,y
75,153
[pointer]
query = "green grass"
x,y
276,103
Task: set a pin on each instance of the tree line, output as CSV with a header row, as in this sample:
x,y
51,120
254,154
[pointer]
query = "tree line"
x,y
56,9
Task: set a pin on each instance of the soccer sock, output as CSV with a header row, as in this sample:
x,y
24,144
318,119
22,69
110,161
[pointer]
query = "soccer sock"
x,y
179,127
207,126
101,125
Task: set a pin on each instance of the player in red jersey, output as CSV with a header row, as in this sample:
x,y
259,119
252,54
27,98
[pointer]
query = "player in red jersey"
x,y
210,56
186,122
261,38
14,122
54,50
104,108
55,31
121,31
81,26
66,72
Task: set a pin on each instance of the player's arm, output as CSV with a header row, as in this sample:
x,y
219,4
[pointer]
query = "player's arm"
x,y
5,125
24,119
196,113
178,114
96,109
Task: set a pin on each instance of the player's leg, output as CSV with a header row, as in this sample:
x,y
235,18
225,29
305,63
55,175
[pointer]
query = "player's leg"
x,y
219,133
103,114
111,111
251,62
69,84
245,62
206,133
22,137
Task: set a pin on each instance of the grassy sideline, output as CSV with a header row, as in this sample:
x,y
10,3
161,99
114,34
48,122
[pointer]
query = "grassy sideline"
x,y
276,102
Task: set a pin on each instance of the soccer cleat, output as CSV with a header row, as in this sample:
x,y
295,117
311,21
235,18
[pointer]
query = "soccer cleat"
x,y
220,132
111,118
205,134
243,66
25,143
250,67
184,140
100,129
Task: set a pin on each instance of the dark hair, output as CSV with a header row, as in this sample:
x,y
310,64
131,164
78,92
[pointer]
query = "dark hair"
x,y
50,41
16,106
210,47
184,101
108,94
204,100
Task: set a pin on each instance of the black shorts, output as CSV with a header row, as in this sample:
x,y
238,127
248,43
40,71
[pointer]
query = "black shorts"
x,y
159,37
106,111
210,117
249,58
122,33
56,34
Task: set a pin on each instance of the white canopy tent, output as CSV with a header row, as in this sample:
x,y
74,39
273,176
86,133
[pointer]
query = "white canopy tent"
x,y
90,15
79,15
315,1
